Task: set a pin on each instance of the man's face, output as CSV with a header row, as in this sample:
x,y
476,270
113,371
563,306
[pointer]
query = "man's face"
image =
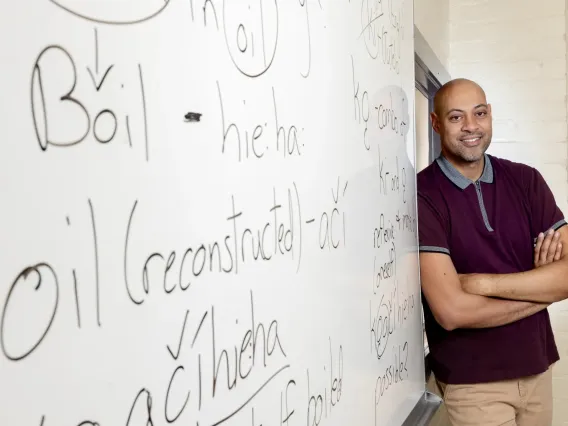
x,y
464,122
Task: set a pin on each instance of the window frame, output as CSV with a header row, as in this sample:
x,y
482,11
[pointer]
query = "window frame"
x,y
429,75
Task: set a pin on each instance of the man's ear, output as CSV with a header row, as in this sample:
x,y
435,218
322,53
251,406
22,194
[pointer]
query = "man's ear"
x,y
435,122
489,108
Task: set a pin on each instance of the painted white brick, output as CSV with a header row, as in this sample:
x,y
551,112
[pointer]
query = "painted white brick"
x,y
542,91
527,69
518,30
527,111
526,131
503,10
506,51
532,153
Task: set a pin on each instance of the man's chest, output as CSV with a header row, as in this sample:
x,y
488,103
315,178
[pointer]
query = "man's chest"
x,y
490,231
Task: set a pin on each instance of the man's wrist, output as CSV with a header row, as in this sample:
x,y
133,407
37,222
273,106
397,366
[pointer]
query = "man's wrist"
x,y
486,284
480,284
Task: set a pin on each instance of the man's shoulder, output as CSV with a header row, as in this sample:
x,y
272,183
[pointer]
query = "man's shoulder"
x,y
426,179
512,168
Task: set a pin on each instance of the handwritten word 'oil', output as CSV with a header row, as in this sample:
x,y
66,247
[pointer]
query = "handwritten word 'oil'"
x,y
251,34
40,285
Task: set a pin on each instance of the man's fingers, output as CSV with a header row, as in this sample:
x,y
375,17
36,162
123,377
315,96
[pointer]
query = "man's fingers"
x,y
537,247
553,247
544,249
558,252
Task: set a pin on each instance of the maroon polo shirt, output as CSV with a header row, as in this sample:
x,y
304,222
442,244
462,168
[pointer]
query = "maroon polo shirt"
x,y
487,226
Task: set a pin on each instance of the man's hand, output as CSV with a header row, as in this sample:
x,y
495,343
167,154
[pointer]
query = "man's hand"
x,y
547,249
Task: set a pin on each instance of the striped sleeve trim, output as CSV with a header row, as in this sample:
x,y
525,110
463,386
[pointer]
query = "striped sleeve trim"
x,y
434,249
559,224
556,227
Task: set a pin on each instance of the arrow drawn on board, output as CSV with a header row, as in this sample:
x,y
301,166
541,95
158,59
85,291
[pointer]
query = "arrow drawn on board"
x,y
102,80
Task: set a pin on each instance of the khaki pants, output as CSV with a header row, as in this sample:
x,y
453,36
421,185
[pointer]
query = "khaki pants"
x,y
523,402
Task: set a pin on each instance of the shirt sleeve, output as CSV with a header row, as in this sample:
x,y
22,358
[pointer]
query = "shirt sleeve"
x,y
545,213
432,232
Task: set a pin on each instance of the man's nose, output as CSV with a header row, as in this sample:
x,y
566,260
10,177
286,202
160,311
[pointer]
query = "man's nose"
x,y
470,124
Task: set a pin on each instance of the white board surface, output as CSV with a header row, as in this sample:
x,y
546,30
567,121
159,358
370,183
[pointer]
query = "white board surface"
x,y
208,213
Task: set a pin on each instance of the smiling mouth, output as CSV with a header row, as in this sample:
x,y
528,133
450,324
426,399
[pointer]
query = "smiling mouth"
x,y
471,141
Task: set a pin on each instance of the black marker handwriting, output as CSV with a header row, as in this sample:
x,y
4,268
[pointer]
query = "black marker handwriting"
x,y
254,352
209,4
175,357
103,16
245,403
286,412
64,106
395,373
361,102
148,408
388,117
384,233
249,344
76,299
99,84
144,109
320,405
166,403
256,142
39,112
277,236
378,38
392,312
327,221
389,179
244,28
97,284
386,268
304,4
45,276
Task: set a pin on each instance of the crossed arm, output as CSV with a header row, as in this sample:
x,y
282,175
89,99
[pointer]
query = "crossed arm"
x,y
460,301
546,284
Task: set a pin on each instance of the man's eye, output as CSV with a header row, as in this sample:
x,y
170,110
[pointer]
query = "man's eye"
x,y
454,118
482,113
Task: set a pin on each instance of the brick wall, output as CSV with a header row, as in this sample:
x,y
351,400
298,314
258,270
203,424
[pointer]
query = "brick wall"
x,y
516,49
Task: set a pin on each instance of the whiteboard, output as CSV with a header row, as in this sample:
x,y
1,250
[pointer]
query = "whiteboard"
x,y
208,213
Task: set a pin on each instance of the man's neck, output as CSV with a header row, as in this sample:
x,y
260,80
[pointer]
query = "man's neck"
x,y
471,170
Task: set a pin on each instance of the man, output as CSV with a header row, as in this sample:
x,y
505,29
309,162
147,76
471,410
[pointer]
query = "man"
x,y
485,285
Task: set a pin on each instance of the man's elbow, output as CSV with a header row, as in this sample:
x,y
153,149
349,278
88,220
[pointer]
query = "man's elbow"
x,y
448,319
